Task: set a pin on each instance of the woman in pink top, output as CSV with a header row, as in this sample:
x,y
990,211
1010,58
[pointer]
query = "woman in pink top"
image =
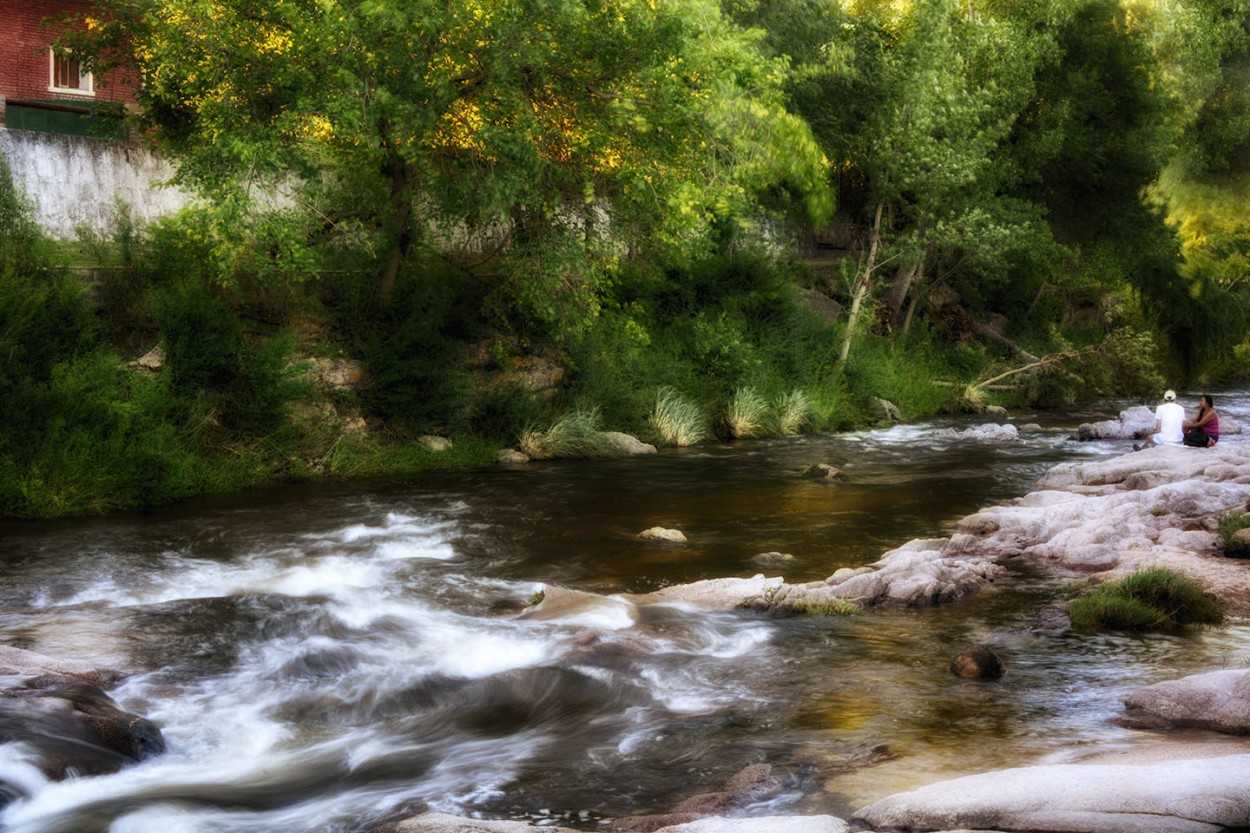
x,y
1206,419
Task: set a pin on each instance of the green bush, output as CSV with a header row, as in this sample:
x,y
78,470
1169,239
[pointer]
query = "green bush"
x,y
1155,599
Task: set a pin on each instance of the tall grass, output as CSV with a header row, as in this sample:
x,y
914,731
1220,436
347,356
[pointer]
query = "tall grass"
x,y
792,412
575,434
746,416
676,420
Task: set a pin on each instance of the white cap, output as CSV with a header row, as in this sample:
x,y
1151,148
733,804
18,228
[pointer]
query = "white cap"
x,y
1169,395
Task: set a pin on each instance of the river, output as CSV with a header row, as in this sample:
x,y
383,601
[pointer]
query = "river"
x,y
324,658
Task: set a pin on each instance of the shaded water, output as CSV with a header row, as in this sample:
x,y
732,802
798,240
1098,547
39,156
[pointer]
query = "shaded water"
x,y
324,658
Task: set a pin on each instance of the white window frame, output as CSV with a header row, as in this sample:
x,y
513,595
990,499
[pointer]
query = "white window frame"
x,y
86,82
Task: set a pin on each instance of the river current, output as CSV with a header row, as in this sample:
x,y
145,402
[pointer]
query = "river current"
x,y
326,658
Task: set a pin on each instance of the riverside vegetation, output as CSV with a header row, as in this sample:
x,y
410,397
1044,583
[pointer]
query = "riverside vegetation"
x,y
640,204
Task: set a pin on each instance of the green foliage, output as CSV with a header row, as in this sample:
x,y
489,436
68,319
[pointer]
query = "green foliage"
x,y
1155,599
676,420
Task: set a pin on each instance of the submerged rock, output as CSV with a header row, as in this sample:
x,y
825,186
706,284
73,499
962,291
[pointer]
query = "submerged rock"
x,y
977,662
1193,796
659,533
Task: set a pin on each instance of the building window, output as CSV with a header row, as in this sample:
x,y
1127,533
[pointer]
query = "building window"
x,y
68,76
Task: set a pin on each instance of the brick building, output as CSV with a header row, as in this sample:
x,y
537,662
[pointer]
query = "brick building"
x,y
48,92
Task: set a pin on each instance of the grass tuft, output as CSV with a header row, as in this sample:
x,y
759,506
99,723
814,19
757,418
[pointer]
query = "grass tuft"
x,y
575,434
1155,599
747,414
793,412
676,420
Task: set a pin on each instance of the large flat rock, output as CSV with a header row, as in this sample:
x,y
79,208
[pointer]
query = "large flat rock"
x,y
1191,796
1218,701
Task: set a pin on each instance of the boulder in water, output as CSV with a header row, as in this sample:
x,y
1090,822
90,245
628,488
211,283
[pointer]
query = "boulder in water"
x,y
977,662
659,533
76,727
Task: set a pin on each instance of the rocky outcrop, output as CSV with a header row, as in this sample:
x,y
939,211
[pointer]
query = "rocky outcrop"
x,y
1217,701
1202,796
60,710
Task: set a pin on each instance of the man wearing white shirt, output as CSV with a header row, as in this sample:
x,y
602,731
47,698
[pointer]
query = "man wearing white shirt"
x,y
1169,420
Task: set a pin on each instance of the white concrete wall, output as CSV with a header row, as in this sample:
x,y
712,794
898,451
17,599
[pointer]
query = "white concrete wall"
x,y
77,180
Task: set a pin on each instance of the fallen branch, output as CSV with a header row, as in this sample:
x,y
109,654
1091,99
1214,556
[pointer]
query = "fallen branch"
x,y
1049,360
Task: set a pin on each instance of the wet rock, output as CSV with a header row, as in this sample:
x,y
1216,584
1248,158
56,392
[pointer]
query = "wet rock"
x,y
989,433
626,445
752,785
1133,423
1218,701
1190,796
772,559
996,411
569,606
18,662
821,471
977,662
659,533
714,594
76,727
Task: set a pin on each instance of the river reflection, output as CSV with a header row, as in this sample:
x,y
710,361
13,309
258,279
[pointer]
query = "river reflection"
x,y
325,658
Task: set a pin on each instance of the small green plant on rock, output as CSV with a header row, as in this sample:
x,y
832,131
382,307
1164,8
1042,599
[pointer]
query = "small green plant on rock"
x,y
1154,599
1235,546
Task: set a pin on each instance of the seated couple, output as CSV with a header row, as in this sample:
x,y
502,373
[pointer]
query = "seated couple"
x,y
1172,428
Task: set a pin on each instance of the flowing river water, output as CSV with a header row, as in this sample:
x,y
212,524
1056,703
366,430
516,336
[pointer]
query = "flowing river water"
x,y
325,658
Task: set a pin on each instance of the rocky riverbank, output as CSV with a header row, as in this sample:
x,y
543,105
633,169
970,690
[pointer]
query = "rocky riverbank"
x,y
1159,507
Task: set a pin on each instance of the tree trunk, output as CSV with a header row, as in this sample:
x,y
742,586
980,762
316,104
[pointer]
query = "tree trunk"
x,y
397,226
904,279
862,283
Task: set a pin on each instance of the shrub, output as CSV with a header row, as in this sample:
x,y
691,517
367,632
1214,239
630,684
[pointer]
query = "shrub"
x,y
1155,599
676,420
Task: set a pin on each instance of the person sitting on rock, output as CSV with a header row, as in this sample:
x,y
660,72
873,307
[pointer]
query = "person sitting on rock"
x,y
1169,419
1203,431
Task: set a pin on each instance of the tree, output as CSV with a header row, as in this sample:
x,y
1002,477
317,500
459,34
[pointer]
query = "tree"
x,y
420,122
